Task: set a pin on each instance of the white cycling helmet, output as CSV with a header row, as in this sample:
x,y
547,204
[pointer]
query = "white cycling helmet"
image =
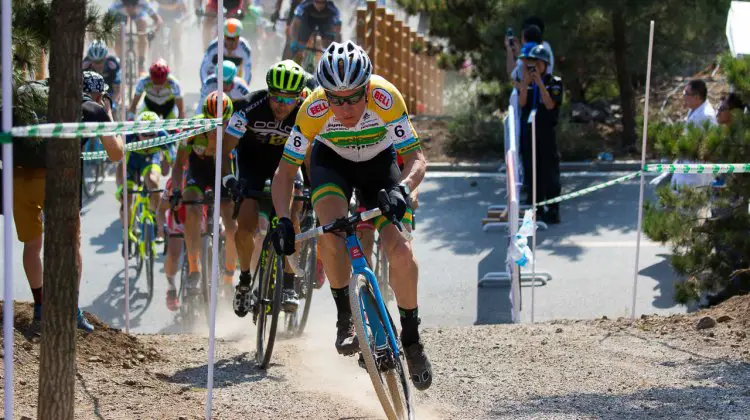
x,y
97,50
343,67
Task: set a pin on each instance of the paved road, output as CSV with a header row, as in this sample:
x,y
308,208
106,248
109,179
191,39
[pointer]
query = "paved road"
x,y
590,256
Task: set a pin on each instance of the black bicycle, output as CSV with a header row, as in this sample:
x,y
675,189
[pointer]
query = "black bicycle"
x,y
269,277
194,307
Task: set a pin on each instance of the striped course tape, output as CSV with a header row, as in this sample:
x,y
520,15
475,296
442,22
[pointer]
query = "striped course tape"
x,y
72,130
699,168
149,143
589,189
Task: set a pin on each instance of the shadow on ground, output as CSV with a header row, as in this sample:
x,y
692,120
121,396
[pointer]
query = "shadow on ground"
x,y
227,372
725,397
109,307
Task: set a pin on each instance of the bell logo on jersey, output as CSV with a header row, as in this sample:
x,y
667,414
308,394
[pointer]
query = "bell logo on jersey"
x,y
382,98
318,108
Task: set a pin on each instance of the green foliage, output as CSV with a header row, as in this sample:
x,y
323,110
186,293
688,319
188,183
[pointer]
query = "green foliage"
x,y
582,36
708,229
476,130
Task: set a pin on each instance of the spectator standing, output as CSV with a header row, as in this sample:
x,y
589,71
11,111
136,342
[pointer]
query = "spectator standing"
x,y
729,104
543,92
532,32
700,113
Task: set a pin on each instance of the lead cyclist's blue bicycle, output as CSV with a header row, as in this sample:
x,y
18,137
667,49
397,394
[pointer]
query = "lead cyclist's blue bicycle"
x,y
380,349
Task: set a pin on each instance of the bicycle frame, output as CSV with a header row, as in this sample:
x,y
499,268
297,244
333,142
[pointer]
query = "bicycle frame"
x,y
359,266
141,205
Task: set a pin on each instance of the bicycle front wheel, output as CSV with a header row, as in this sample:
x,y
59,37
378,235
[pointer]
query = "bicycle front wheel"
x,y
386,370
269,306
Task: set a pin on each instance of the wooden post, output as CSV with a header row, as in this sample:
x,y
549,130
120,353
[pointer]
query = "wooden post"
x,y
40,72
412,72
403,40
420,76
380,40
441,95
372,42
362,27
391,50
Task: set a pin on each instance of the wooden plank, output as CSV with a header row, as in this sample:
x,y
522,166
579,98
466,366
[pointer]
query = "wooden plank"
x,y
391,59
380,40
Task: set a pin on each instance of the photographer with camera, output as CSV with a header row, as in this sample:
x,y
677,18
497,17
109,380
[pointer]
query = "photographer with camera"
x,y
539,90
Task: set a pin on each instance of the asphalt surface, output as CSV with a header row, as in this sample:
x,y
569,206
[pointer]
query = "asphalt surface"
x,y
590,256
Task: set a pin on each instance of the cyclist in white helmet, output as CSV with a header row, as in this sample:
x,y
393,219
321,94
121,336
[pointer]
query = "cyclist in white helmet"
x,y
236,50
99,59
233,86
354,125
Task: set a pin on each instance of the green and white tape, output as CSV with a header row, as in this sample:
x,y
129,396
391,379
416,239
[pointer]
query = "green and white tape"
x,y
72,130
699,168
589,189
149,143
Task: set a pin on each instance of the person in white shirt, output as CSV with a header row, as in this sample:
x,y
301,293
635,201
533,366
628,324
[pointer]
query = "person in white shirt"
x,y
701,114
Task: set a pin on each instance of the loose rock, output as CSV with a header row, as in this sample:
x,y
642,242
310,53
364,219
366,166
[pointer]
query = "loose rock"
x,y
705,323
724,318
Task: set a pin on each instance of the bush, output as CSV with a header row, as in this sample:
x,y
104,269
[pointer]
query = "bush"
x,y
476,134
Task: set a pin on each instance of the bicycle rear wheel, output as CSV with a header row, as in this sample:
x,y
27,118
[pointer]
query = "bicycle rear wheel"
x,y
89,174
270,305
386,370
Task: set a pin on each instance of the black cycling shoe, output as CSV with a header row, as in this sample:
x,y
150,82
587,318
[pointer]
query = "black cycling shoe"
x,y
347,343
193,286
420,368
242,302
290,300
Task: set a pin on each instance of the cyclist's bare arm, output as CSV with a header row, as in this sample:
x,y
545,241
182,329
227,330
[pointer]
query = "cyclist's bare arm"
x,y
228,144
180,102
158,22
415,165
294,31
113,146
282,187
278,6
179,164
134,102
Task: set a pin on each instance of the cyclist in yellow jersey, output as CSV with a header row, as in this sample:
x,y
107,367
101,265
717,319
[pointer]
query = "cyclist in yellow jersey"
x,y
356,123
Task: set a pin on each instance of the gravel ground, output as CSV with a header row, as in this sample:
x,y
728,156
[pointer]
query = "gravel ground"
x,y
653,367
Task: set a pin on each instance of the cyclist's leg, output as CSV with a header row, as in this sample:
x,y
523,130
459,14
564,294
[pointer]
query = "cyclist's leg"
x,y
258,236
172,260
230,249
330,198
247,224
151,174
134,162
209,23
404,271
141,26
196,182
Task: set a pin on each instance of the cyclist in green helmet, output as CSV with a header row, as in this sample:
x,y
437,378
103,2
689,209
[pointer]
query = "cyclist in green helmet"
x,y
259,129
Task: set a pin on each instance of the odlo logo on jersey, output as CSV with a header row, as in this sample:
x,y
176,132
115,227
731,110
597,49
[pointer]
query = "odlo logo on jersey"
x,y
317,108
382,98
356,253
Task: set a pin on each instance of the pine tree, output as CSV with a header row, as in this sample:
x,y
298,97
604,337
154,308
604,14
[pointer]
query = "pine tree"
x,y
599,45
708,229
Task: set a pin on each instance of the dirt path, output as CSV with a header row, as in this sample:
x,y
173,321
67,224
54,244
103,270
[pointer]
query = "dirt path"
x,y
655,367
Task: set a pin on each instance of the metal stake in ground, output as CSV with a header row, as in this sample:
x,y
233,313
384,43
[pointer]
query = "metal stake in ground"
x,y
643,164
533,207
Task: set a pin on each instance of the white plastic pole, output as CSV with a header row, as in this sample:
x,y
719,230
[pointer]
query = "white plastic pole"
x,y
8,212
123,86
125,204
643,164
512,180
217,206
533,208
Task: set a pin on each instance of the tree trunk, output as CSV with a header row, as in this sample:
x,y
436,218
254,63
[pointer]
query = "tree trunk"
x,y
627,94
62,223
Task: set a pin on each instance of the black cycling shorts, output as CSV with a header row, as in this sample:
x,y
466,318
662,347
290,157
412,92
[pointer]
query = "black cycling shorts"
x,y
164,110
200,174
333,175
324,27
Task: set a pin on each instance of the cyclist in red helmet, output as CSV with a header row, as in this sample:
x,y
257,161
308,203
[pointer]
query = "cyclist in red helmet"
x,y
163,93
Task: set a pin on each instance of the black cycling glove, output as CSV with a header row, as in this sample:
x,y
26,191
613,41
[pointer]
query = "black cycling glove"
x,y
283,237
392,203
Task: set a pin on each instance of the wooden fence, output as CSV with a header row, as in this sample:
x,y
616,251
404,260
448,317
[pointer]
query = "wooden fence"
x,y
401,56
